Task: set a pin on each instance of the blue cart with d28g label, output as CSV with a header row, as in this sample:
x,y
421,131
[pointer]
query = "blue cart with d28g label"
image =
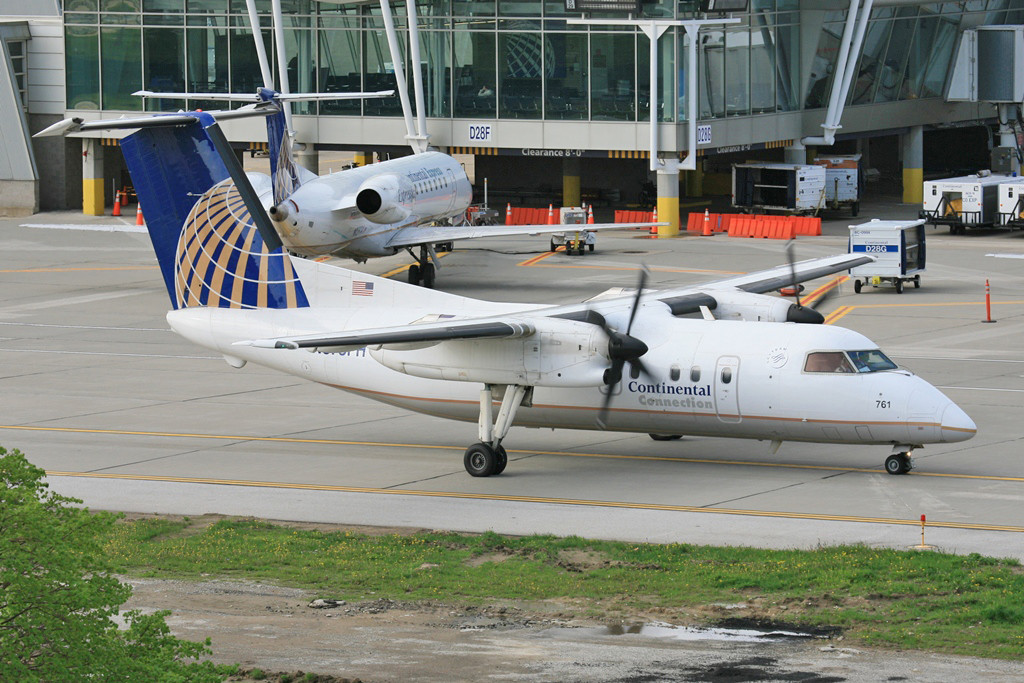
x,y
898,248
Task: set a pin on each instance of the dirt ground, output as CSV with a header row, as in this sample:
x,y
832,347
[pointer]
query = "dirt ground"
x,y
282,631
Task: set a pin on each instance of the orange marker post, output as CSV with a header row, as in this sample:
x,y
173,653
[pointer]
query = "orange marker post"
x,y
117,204
654,219
138,215
508,214
988,304
706,231
590,215
551,214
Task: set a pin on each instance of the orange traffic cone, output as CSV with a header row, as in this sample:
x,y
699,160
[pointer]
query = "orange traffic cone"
x,y
551,214
117,204
590,215
654,219
706,232
138,215
508,214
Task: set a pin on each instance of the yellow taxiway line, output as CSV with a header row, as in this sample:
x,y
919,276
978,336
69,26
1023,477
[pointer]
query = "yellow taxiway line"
x,y
535,260
539,499
844,310
385,444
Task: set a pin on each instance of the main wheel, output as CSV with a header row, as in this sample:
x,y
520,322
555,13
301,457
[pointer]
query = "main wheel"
x,y
429,273
502,460
857,284
414,274
480,460
554,247
899,285
917,282
855,208
665,437
591,247
897,463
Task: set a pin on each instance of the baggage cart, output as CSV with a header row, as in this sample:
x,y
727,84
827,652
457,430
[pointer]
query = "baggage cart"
x,y
842,181
790,188
965,202
898,247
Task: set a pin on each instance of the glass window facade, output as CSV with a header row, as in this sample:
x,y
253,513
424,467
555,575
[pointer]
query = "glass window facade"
x,y
506,59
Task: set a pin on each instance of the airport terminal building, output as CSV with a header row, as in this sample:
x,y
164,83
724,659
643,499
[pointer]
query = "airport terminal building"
x,y
550,104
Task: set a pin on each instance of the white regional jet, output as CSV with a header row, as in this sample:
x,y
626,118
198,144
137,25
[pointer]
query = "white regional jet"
x,y
722,359
364,212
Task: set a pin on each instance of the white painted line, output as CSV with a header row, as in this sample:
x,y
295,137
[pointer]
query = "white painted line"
x,y
960,360
1016,391
85,226
1005,255
91,327
99,353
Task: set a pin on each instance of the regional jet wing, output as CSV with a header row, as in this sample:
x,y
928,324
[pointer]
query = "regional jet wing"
x,y
412,236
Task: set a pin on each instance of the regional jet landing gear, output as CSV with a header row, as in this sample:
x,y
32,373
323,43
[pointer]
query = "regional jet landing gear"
x,y
489,457
900,461
425,269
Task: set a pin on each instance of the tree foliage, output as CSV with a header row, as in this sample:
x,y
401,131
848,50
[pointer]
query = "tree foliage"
x,y
59,600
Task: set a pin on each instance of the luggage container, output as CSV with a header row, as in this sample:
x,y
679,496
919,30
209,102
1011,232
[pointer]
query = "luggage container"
x,y
965,202
898,247
578,241
792,188
842,181
1011,204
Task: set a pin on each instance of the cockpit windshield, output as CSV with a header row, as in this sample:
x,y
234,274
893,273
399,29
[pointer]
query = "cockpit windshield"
x,y
848,361
871,361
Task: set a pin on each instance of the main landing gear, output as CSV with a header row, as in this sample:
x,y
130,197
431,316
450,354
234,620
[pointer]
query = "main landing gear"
x,y
424,271
489,457
899,462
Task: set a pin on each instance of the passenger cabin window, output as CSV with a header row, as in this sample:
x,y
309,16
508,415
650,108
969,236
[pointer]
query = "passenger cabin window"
x,y
673,373
726,375
827,361
695,373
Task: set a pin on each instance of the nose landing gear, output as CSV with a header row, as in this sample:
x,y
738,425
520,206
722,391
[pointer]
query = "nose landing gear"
x,y
899,462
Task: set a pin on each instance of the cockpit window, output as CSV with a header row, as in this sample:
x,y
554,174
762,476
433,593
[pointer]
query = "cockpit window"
x,y
827,361
871,361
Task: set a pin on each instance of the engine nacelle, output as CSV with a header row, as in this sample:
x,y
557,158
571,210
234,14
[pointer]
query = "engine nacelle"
x,y
385,199
737,305
560,353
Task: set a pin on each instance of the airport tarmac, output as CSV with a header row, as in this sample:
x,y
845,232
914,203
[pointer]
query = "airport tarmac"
x,y
127,416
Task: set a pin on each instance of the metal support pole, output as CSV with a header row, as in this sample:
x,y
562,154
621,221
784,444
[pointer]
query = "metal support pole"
x,y
261,49
282,64
396,60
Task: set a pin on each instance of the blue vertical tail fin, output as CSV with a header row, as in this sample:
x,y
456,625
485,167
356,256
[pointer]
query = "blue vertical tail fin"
x,y
213,240
283,171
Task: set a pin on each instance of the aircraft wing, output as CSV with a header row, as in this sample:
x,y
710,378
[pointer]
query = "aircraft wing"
x,y
416,235
680,300
467,328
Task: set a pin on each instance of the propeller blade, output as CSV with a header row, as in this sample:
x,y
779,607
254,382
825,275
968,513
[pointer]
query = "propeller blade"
x,y
792,271
639,292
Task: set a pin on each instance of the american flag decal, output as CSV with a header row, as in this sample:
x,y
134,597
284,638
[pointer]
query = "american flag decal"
x,y
362,288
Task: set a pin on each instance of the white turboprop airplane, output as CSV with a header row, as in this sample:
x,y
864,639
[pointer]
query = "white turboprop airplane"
x,y
722,359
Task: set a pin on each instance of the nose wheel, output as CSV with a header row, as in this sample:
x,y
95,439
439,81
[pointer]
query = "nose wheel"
x,y
899,463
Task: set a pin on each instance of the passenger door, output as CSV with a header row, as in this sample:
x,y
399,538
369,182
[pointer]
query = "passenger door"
x,y
727,403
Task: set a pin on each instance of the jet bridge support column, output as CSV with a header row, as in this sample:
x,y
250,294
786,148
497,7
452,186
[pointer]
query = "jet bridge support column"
x,y
668,201
571,194
363,158
93,198
307,157
913,165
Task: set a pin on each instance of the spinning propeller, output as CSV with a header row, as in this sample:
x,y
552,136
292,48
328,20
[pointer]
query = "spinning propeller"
x,y
798,312
622,348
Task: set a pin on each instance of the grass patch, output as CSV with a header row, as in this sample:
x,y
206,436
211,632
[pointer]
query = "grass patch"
x,y
968,605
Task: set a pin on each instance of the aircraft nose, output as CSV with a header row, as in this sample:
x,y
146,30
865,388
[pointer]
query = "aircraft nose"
x,y
956,424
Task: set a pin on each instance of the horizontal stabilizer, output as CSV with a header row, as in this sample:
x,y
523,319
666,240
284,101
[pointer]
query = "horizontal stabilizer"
x,y
77,124
255,97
